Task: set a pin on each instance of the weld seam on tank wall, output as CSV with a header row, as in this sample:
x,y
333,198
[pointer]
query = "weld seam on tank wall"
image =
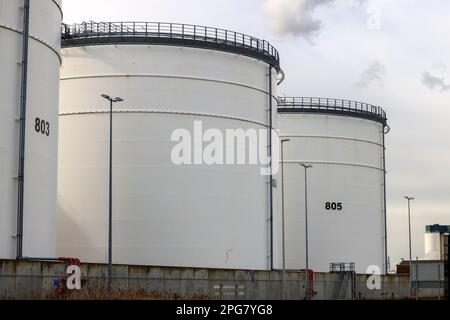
x,y
330,137
56,51
168,77
335,163
355,114
165,112
94,41
59,8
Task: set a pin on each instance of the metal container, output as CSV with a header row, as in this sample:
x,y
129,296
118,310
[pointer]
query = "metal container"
x,y
344,142
41,125
434,242
170,75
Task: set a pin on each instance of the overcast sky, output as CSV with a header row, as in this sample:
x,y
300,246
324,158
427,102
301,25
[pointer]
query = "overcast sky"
x,y
395,54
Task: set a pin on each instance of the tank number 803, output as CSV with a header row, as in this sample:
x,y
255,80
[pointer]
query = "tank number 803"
x,y
333,206
42,126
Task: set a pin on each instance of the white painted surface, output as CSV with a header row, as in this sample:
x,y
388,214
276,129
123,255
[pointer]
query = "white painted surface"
x,y
433,246
193,215
42,102
346,154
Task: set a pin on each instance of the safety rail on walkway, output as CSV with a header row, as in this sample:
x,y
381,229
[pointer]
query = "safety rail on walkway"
x,y
328,105
94,33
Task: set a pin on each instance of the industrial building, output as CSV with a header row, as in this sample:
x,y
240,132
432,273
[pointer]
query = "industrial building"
x,y
55,159
201,215
436,236
430,272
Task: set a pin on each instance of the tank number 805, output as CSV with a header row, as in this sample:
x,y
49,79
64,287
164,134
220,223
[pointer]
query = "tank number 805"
x,y
333,206
42,126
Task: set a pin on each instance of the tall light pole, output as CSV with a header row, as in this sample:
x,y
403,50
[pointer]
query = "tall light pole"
x,y
111,101
282,218
306,166
410,246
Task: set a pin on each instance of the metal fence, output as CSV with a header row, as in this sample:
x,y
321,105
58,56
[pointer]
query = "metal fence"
x,y
21,279
428,276
162,32
311,104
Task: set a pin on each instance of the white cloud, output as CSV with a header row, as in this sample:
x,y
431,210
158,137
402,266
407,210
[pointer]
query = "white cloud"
x,y
433,82
375,73
296,17
440,66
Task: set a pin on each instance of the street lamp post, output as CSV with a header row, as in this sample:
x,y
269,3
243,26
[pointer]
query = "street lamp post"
x,y
410,246
306,166
282,219
111,101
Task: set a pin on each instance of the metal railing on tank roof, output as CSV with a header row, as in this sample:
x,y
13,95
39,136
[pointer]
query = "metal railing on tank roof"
x,y
91,33
329,105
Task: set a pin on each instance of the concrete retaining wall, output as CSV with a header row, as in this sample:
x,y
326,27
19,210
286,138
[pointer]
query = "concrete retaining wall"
x,y
46,280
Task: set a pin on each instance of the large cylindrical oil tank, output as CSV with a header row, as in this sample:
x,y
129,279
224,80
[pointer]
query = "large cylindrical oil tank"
x,y
343,141
170,76
41,125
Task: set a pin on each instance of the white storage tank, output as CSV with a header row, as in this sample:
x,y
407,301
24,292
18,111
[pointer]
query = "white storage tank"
x,y
434,241
170,75
433,246
41,125
344,142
